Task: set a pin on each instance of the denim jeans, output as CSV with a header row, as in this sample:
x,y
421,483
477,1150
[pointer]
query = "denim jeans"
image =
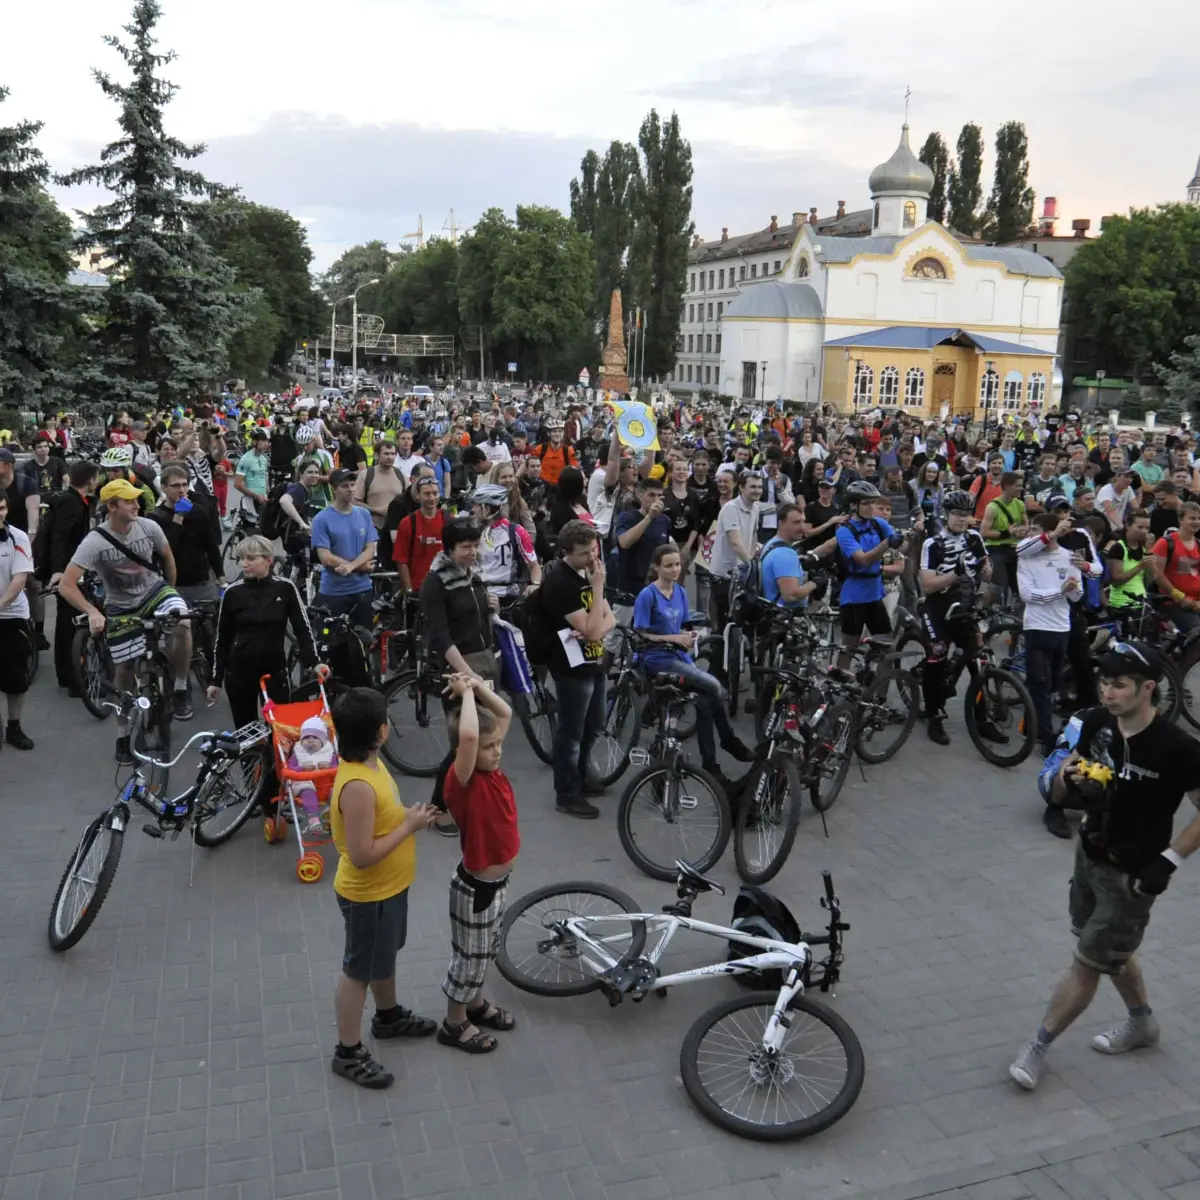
x,y
710,710
582,711
1045,653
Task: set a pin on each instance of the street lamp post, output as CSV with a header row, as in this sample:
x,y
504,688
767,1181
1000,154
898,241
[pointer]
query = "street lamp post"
x,y
764,383
354,334
988,399
1100,377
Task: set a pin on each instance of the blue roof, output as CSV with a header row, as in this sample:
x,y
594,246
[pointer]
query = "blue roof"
x,y
925,337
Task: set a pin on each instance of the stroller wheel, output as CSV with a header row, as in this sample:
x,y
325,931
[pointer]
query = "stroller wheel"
x,y
310,867
274,830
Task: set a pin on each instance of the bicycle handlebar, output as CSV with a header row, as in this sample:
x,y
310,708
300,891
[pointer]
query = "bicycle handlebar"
x,y
827,876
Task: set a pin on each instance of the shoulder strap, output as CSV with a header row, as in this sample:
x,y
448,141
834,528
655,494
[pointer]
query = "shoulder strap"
x,y
129,554
367,485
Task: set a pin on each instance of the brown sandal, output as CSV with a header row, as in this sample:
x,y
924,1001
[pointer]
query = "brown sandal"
x,y
492,1016
477,1043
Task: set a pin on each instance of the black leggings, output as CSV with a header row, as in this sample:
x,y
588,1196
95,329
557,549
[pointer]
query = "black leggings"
x,y
243,692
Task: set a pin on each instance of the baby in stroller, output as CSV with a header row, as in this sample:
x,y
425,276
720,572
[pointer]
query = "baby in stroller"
x,y
313,751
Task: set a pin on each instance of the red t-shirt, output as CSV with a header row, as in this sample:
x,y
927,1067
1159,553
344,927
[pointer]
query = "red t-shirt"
x,y
485,811
418,541
984,491
1183,571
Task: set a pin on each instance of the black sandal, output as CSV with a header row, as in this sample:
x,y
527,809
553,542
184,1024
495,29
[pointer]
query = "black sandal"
x,y
478,1043
362,1069
406,1024
492,1016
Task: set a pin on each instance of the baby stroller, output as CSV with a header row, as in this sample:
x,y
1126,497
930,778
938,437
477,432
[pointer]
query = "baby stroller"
x,y
306,771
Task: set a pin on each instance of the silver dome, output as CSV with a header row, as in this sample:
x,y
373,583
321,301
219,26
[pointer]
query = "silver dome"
x,y
903,174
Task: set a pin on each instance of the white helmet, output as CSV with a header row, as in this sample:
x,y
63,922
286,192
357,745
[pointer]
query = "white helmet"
x,y
490,495
305,434
117,456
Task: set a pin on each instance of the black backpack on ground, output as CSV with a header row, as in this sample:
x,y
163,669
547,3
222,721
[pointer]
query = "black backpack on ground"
x,y
761,914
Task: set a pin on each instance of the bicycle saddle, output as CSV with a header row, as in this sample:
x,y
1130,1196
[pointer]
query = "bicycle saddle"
x,y
670,679
693,878
880,641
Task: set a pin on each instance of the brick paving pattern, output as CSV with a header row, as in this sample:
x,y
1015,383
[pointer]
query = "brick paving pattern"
x,y
181,1050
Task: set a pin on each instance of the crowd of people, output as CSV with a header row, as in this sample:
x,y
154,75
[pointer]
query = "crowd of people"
x,y
541,506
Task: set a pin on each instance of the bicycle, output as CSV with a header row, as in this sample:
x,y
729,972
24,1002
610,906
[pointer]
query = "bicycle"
x,y
218,791
244,524
91,663
683,805
772,1065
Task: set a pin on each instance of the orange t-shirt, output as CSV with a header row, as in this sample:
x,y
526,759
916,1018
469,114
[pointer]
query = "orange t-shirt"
x,y
553,460
1183,571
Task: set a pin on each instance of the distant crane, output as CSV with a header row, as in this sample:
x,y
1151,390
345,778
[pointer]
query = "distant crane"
x,y
419,235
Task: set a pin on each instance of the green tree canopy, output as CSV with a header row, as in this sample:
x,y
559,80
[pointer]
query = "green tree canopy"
x,y
371,260
1134,291
1010,206
420,293
964,190
1181,378
937,158
172,304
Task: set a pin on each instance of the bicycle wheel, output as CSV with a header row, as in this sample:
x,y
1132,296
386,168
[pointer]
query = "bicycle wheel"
x,y
1168,695
1000,699
229,562
910,655
829,755
202,658
536,957
90,667
673,812
152,736
416,743
735,645
229,797
1189,685
767,818
887,713
35,659
808,1084
609,755
84,884
536,712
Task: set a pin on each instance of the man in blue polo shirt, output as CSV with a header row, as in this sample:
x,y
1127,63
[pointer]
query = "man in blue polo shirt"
x,y
344,538
783,579
862,542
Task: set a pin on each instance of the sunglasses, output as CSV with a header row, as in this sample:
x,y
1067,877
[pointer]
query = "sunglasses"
x,y
1129,648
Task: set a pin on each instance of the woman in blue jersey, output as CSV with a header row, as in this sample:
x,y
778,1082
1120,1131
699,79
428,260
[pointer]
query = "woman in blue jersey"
x,y
659,615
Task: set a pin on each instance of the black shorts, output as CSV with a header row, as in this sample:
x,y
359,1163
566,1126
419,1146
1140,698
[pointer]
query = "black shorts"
x,y
16,648
870,615
943,632
376,931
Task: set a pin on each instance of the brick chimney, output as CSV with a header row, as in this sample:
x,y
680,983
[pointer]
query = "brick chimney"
x,y
774,222
797,218
1080,227
724,233
841,211
812,216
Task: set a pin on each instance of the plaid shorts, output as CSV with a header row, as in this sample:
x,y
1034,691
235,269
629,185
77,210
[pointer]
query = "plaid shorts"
x,y
124,633
474,932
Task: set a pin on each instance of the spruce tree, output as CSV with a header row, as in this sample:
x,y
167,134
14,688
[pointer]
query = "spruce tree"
x,y
171,305
1010,206
965,190
937,158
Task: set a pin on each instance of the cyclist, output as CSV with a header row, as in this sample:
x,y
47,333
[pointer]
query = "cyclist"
x,y
862,542
953,564
252,473
506,553
308,442
117,463
121,552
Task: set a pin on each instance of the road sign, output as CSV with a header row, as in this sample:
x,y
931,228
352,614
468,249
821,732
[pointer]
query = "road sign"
x,y
585,377
512,368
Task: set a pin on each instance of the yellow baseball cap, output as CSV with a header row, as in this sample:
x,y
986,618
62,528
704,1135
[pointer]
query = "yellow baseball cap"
x,y
119,489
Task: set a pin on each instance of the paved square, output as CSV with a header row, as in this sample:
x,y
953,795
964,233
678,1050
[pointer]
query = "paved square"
x,y
182,1048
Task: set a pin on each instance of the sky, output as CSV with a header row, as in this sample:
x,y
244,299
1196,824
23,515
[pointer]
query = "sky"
x,y
359,116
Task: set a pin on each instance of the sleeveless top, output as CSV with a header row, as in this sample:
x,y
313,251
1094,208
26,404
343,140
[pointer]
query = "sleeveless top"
x,y
390,875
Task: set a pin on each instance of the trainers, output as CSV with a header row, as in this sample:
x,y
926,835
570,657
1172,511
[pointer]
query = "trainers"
x,y
446,828
15,736
42,643
577,808
1133,1035
937,731
1055,820
124,755
181,705
737,749
1026,1069
989,732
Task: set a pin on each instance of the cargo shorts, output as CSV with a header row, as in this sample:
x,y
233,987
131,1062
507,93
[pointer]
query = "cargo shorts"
x,y
1108,918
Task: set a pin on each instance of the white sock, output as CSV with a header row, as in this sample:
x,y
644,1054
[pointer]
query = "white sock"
x,y
181,683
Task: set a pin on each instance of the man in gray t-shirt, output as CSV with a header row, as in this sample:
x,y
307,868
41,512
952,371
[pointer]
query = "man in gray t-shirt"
x,y
126,584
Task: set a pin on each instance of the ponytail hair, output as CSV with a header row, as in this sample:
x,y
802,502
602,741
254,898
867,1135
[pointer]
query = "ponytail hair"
x,y
659,554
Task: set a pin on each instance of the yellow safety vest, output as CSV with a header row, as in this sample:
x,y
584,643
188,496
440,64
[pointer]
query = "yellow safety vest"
x,y
367,442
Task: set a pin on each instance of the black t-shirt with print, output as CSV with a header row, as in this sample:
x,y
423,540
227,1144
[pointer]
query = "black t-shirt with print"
x,y
1154,769
48,476
816,514
565,591
682,514
707,503
1162,520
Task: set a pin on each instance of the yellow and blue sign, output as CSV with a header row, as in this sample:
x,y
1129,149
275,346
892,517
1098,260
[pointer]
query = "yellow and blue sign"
x,y
637,427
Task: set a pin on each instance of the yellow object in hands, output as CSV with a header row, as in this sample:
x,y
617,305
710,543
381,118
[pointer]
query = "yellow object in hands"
x,y
1096,772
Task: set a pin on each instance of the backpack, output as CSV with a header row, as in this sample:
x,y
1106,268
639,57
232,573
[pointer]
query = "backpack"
x,y
41,542
273,522
749,604
761,914
845,568
530,618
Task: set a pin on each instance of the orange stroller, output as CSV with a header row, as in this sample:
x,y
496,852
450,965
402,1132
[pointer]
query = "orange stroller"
x,y
303,801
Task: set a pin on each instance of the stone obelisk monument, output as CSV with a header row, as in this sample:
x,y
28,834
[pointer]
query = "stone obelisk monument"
x,y
613,376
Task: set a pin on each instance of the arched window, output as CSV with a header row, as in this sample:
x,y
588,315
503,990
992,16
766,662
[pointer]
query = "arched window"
x,y
989,389
889,386
802,268
876,215
914,388
928,268
864,385
1037,388
910,214
1014,385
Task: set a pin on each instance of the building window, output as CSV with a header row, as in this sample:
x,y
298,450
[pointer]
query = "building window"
x,y
864,385
689,349
693,287
889,386
929,268
754,270
721,277
910,215
691,313
914,388
989,389
749,380
718,343
876,216
689,373
802,268
1014,385
778,264
708,343
742,272
720,308
712,275
710,310
708,374
1037,388
679,344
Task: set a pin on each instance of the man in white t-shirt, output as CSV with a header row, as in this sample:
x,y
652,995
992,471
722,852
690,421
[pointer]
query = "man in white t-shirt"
x,y
1116,497
735,544
405,458
16,642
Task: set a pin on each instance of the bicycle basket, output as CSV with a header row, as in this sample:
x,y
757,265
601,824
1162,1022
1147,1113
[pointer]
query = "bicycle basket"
x,y
761,914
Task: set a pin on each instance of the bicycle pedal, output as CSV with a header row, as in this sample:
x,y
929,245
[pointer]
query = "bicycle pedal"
x,y
639,757
152,831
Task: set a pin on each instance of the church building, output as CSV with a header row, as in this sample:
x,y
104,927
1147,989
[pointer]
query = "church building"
x,y
909,315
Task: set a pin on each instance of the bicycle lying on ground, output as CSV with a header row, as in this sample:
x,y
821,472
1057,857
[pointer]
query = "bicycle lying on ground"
x,y
233,769
771,1065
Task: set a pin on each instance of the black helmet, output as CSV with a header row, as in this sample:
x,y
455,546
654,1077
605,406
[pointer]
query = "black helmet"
x,y
860,489
961,502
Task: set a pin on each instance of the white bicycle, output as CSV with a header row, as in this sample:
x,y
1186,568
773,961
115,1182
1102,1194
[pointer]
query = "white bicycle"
x,y
772,1065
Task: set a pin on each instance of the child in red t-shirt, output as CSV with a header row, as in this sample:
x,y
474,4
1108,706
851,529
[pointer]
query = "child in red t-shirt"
x,y
481,801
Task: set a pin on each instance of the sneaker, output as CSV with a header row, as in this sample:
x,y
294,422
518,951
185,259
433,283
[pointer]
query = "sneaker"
x,y
16,736
1055,820
738,750
937,731
446,828
989,732
41,642
1026,1069
124,754
577,808
181,705
1133,1035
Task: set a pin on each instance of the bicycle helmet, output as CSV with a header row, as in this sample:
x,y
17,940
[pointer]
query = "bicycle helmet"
x,y
960,502
304,434
116,457
860,489
490,495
